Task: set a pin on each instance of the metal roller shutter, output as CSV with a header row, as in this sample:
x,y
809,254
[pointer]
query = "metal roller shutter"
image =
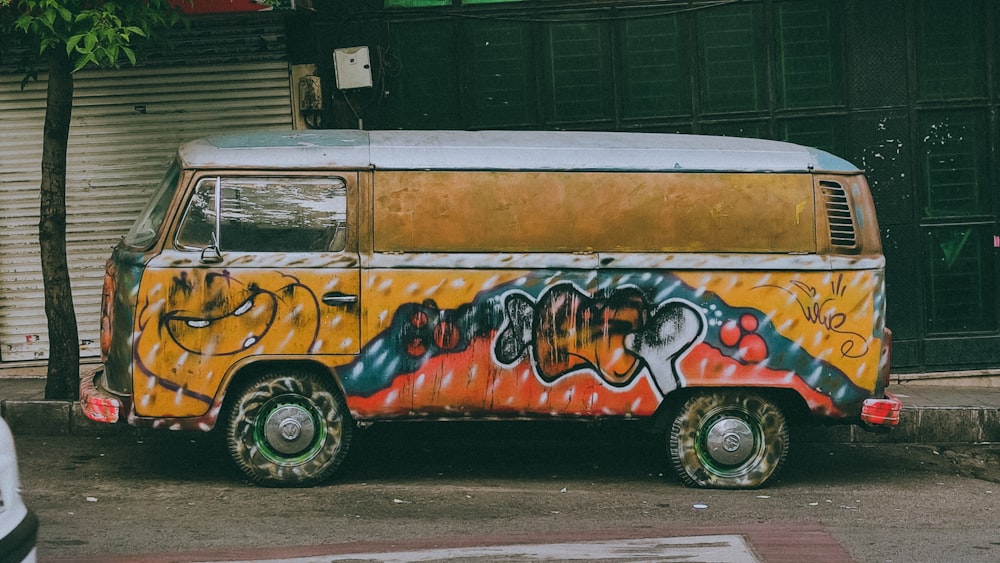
x,y
126,126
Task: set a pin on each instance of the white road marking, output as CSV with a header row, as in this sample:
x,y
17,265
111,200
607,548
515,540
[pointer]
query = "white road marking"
x,y
694,549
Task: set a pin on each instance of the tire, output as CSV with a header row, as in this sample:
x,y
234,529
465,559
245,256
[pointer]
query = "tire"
x,y
728,439
288,429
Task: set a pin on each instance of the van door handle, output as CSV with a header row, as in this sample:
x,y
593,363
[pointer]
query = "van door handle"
x,y
338,298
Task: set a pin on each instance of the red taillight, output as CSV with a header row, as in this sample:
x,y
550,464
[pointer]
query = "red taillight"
x,y
881,412
101,409
98,405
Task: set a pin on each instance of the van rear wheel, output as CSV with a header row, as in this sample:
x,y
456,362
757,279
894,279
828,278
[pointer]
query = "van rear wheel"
x,y
288,429
727,439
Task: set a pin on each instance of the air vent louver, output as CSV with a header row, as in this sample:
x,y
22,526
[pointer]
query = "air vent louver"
x,y
839,215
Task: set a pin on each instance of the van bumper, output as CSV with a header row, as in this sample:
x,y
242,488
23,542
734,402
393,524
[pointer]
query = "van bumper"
x,y
99,404
881,413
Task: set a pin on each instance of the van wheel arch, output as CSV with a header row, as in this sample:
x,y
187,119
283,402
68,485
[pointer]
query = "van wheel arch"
x,y
792,404
243,373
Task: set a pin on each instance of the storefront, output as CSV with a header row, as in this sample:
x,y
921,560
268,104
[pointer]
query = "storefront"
x,y
224,74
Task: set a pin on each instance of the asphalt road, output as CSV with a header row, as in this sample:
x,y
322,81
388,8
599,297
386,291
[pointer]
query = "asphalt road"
x,y
164,496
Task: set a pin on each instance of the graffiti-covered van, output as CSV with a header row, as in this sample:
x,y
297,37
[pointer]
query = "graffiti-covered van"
x,y
288,286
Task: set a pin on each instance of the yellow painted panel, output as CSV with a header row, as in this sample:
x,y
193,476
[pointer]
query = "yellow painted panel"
x,y
195,324
448,211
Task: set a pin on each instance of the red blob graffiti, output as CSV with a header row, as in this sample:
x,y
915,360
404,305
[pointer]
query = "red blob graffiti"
x,y
742,335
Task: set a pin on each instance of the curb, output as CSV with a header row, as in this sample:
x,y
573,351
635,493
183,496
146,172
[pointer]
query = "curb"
x,y
53,418
918,424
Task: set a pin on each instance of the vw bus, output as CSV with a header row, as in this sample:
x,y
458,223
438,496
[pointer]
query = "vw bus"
x,y
288,286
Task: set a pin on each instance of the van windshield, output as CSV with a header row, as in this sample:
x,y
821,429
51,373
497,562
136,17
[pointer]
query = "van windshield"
x,y
144,230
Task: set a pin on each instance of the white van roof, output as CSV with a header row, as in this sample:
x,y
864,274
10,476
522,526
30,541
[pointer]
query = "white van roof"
x,y
504,150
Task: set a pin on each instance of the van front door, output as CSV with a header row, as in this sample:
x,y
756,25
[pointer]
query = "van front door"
x,y
259,265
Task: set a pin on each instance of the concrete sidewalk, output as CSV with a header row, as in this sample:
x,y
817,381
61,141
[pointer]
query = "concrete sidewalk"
x,y
931,414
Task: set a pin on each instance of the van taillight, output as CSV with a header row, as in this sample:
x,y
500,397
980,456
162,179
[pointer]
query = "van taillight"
x,y
107,299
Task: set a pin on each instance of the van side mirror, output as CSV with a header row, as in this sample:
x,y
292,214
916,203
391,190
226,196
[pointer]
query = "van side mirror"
x,y
211,253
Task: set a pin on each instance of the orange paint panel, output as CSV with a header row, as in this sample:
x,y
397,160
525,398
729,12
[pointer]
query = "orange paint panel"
x,y
456,388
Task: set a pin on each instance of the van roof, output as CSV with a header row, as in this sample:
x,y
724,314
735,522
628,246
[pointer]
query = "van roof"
x,y
504,150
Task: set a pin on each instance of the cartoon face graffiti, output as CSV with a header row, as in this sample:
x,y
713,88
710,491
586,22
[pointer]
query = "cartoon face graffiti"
x,y
194,327
234,317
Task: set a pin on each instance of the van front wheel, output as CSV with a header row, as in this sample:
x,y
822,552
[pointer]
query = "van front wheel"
x,y
288,430
727,439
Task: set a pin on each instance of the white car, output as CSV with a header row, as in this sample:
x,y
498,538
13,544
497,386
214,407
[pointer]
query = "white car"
x,y
18,525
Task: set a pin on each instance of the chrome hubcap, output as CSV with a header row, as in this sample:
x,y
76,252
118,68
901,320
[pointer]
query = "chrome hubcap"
x,y
729,441
289,429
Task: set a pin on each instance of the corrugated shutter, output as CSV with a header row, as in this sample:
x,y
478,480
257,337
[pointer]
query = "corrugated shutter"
x,y
126,126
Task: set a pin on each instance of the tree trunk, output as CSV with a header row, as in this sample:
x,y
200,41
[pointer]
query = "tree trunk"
x,y
63,376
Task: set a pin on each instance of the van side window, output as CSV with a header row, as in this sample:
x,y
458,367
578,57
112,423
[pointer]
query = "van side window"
x,y
261,214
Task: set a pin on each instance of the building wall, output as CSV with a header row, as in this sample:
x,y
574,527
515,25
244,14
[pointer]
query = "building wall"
x,y
906,89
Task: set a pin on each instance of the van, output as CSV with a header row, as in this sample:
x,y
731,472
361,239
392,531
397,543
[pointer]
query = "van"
x,y
289,286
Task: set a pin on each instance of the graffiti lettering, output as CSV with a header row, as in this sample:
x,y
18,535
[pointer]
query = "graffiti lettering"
x,y
819,310
615,335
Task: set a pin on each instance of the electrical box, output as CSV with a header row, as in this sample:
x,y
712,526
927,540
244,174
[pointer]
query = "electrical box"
x,y
307,97
352,68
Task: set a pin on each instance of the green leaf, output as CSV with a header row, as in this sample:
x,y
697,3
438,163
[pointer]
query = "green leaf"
x,y
84,61
24,23
72,42
130,54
